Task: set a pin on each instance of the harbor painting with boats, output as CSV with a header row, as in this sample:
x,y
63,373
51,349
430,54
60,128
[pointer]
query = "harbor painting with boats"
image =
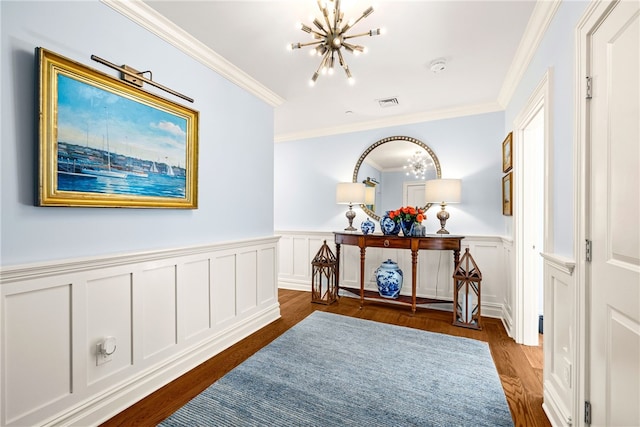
x,y
111,144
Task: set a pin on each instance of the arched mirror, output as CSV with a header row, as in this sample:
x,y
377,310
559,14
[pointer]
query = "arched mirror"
x,y
394,171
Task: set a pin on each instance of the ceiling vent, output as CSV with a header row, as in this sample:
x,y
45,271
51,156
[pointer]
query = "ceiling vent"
x,y
388,102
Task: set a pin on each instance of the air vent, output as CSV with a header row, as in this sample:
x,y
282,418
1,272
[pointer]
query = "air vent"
x,y
388,102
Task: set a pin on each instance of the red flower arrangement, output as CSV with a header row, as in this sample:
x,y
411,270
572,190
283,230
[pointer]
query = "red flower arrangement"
x,y
408,213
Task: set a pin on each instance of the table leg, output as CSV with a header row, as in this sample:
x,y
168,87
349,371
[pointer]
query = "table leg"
x,y
338,270
362,256
414,266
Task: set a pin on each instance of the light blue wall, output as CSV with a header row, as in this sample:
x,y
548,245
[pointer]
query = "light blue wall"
x,y
235,141
556,51
307,171
468,148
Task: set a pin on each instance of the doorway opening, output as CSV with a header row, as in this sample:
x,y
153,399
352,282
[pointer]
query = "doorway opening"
x,y
532,206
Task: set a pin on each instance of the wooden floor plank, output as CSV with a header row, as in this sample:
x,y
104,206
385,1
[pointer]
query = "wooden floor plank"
x,y
518,369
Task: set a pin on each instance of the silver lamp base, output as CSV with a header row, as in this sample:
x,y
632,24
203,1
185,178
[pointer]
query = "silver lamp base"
x,y
443,216
350,216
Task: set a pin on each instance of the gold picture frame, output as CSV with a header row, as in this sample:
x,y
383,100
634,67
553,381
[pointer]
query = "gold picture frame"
x,y
507,151
507,194
106,143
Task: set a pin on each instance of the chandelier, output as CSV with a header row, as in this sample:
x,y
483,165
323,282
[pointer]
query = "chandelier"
x,y
331,36
417,165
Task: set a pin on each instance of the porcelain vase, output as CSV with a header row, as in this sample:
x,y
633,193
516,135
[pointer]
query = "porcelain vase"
x,y
389,279
367,226
418,230
406,227
389,226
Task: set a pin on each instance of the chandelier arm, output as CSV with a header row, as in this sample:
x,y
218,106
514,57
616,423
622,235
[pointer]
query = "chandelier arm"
x,y
370,33
319,25
336,14
300,45
343,63
323,61
325,13
353,47
366,13
319,35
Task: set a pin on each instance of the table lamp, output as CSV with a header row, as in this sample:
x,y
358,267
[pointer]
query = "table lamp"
x,y
443,191
350,193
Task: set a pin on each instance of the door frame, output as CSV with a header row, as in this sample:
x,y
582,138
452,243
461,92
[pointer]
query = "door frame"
x,y
526,327
595,13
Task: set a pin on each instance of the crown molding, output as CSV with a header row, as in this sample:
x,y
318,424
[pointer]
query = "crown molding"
x,y
490,107
148,18
543,13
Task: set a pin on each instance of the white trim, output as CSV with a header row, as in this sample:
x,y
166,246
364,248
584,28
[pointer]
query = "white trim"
x,y
490,107
238,305
148,18
541,17
157,24
590,20
553,407
526,329
564,264
16,273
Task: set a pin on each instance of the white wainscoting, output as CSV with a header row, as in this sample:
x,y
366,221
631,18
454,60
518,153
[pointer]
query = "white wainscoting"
x,y
508,262
435,268
559,351
168,310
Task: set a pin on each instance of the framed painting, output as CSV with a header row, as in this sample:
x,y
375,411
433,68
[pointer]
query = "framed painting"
x,y
507,162
507,194
106,143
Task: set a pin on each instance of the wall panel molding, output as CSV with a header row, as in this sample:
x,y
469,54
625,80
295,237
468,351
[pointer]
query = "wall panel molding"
x,y
559,336
168,310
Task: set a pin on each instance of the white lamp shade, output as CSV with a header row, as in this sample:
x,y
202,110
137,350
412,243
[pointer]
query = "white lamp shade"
x,y
443,190
370,195
350,193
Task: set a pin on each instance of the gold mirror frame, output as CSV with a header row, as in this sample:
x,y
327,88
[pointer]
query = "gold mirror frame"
x,y
366,152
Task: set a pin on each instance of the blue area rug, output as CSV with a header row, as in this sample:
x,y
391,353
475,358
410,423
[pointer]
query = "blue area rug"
x,y
333,370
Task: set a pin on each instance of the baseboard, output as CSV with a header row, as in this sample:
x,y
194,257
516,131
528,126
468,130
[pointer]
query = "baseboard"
x,y
294,285
120,397
554,408
507,322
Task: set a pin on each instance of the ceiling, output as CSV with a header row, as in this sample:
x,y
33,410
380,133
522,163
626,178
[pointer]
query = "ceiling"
x,y
478,40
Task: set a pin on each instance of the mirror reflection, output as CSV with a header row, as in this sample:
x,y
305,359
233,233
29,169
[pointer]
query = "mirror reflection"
x,y
394,170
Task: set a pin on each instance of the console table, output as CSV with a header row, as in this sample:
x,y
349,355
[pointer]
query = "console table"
x,y
364,241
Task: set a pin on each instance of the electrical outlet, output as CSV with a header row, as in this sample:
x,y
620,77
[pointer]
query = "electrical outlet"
x,y
105,350
102,358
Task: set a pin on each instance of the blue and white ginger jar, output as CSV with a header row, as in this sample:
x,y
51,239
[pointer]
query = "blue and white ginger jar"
x,y
389,226
367,226
389,279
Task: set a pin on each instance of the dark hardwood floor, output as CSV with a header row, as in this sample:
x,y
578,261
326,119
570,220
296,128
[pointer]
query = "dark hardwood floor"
x,y
519,367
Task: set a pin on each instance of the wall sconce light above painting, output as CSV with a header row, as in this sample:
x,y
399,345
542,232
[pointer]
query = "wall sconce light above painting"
x,y
107,143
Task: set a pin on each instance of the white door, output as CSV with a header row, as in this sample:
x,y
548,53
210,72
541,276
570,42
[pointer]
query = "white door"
x,y
413,194
532,215
613,276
